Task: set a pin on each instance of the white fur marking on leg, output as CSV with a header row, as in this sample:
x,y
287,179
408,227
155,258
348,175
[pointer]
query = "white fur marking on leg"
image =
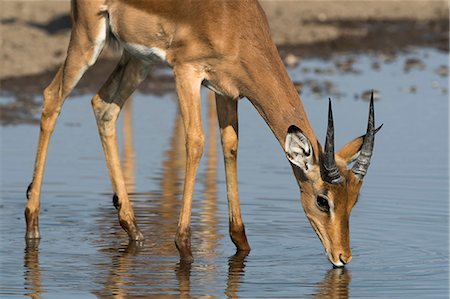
x,y
147,53
99,42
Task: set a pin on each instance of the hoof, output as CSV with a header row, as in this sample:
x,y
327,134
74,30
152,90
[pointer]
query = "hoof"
x,y
183,269
183,244
33,234
134,247
137,237
32,221
131,228
237,234
185,256
135,234
31,245
186,259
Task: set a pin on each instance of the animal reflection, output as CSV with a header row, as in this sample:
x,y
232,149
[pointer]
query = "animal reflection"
x,y
236,265
131,272
32,274
335,285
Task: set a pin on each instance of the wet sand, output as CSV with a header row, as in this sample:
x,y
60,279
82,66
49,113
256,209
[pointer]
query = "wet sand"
x,y
35,34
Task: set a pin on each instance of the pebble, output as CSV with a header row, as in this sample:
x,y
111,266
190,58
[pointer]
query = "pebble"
x,y
306,70
322,17
388,57
443,70
322,88
435,84
366,95
291,60
325,71
345,66
410,89
376,66
413,64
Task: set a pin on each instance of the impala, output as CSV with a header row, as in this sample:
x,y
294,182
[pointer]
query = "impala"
x,y
225,46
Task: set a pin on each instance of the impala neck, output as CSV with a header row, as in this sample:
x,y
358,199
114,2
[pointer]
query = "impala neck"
x,y
276,99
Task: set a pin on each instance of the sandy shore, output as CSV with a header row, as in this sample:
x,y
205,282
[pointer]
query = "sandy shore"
x,y
34,34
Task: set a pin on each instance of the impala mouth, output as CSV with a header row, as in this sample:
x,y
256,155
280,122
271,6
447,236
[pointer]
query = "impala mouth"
x,y
338,264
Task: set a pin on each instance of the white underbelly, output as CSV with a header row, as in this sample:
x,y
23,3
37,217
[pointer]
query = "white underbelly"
x,y
212,87
144,52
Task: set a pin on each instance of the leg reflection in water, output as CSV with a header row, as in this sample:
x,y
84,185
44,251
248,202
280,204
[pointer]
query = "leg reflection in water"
x,y
154,269
32,274
236,265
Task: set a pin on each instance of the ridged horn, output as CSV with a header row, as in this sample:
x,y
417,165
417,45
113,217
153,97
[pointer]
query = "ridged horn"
x,y
329,170
363,161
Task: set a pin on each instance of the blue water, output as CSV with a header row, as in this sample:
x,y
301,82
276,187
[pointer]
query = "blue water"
x,y
399,228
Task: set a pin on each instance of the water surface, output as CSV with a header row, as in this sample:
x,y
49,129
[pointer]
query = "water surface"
x,y
399,228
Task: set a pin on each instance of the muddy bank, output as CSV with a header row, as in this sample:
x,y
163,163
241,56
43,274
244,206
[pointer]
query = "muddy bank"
x,y
24,89
35,36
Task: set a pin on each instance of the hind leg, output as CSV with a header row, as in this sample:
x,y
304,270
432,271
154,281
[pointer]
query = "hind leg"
x,y
86,42
228,122
107,104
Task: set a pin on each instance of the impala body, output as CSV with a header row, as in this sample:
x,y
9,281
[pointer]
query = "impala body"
x,y
225,46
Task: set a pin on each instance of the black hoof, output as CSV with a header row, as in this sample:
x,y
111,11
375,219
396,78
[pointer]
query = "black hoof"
x,y
31,244
136,236
132,229
32,233
134,247
238,237
183,244
32,221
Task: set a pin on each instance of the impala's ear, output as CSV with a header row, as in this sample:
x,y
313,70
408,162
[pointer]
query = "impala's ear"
x,y
298,149
351,150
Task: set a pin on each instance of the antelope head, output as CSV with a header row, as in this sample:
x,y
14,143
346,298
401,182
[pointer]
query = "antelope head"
x,y
329,187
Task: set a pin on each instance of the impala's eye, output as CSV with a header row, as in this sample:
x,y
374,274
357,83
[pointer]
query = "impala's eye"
x,y
323,204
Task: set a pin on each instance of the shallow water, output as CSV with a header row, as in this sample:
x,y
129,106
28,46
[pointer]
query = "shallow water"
x,y
399,228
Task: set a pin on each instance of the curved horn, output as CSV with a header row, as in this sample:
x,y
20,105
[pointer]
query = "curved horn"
x,y
363,161
329,171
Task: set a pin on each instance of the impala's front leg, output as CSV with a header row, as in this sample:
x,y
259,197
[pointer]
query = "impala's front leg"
x,y
228,122
86,43
107,105
188,89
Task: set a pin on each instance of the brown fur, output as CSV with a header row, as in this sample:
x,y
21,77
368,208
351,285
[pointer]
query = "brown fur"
x,y
225,43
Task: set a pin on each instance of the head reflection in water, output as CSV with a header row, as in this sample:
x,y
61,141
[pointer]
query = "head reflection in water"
x,y
334,285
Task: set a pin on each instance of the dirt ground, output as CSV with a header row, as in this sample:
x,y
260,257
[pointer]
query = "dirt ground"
x,y
34,36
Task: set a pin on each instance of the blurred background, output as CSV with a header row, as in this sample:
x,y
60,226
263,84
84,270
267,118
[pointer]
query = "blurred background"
x,y
35,34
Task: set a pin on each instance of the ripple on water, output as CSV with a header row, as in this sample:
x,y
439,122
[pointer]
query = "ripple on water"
x,y
399,226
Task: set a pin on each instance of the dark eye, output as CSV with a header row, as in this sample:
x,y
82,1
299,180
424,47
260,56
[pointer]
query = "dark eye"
x,y
322,203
